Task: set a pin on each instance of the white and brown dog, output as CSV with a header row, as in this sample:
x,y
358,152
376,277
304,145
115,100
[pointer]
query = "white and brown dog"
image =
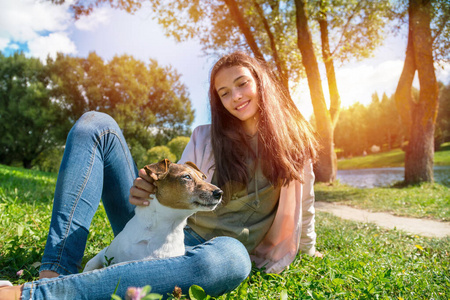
x,y
156,231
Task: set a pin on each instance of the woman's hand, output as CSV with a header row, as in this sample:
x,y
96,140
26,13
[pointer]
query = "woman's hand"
x,y
141,189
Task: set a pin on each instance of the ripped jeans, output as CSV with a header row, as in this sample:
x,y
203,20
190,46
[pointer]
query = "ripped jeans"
x,y
97,164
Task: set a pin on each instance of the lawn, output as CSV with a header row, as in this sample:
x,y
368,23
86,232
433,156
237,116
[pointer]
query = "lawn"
x,y
361,261
421,201
393,158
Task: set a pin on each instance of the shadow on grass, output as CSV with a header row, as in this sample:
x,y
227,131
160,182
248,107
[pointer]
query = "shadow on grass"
x,y
27,186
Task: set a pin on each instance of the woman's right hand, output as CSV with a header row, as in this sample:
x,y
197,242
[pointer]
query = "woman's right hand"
x,y
142,188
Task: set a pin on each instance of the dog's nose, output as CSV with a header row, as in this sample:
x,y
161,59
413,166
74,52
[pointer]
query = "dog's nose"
x,y
217,194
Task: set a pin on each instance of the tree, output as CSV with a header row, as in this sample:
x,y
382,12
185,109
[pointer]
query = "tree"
x,y
148,101
40,103
390,121
420,115
359,127
29,117
351,131
325,169
375,132
267,29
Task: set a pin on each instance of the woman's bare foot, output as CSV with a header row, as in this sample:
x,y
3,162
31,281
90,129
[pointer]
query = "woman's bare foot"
x,y
11,292
47,274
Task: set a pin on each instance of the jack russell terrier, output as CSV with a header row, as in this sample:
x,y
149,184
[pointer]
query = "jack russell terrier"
x,y
156,231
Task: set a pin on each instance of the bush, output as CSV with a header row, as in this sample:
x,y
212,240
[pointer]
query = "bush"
x,y
177,145
158,153
139,154
49,160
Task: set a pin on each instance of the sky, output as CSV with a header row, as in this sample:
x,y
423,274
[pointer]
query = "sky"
x,y
40,28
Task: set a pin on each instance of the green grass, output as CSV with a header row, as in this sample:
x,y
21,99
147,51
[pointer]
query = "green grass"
x,y
361,261
421,201
26,198
442,157
393,158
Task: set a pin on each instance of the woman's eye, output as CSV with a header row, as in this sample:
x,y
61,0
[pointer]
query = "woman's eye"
x,y
244,83
187,176
223,95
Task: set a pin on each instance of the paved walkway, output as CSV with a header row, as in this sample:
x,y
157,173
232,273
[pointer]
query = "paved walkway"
x,y
422,227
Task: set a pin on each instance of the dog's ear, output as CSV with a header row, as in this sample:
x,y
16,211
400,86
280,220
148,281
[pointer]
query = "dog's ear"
x,y
192,165
158,170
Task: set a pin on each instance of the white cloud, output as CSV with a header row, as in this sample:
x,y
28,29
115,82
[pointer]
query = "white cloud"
x,y
23,20
13,46
41,25
94,20
3,43
43,46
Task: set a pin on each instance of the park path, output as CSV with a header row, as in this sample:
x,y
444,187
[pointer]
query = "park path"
x,y
422,227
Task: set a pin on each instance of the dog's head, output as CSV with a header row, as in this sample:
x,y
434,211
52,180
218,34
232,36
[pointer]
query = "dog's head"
x,y
183,186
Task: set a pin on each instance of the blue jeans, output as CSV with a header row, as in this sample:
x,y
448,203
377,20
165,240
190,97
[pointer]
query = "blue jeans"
x,y
97,164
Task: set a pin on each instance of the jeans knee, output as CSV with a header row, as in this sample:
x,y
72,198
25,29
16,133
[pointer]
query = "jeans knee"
x,y
230,259
93,122
237,259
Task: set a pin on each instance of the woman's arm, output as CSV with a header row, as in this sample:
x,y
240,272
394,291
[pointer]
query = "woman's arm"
x,y
308,235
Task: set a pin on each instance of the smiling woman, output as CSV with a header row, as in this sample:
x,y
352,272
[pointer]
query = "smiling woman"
x,y
267,217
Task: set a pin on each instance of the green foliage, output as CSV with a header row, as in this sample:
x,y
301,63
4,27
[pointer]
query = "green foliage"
x,y
267,28
40,103
442,131
49,160
30,120
360,127
356,28
148,101
177,145
197,293
159,153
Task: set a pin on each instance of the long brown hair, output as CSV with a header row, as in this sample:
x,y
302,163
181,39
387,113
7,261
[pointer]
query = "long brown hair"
x,y
286,140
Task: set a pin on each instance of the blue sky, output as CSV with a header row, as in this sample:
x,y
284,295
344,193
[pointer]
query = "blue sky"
x,y
40,28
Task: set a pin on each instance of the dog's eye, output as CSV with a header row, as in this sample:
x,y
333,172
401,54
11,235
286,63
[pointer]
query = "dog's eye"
x,y
187,177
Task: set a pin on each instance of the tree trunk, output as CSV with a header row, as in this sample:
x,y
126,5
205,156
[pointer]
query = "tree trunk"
x,y
419,56
420,155
335,99
325,168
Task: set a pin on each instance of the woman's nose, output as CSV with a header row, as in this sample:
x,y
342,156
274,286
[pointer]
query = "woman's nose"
x,y
236,95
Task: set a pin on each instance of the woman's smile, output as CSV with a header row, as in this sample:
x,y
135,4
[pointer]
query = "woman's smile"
x,y
243,105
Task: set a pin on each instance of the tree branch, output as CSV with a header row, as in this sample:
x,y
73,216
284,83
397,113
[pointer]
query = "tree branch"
x,y
245,29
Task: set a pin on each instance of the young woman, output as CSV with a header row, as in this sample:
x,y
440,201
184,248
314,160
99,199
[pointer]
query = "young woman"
x,y
258,149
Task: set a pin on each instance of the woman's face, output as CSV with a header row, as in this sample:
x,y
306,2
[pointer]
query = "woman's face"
x,y
238,92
